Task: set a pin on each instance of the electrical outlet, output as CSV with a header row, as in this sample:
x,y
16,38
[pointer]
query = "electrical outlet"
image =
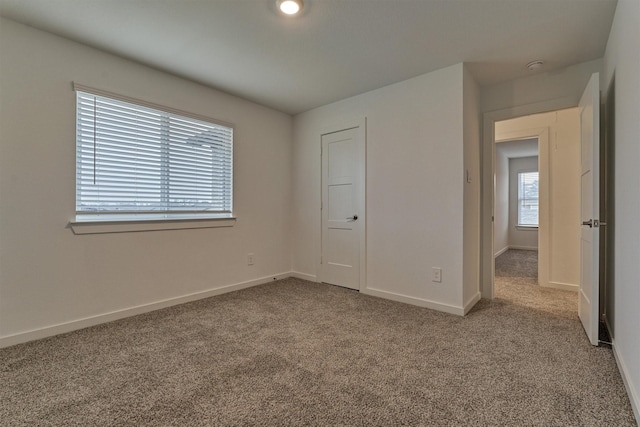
x,y
250,259
436,274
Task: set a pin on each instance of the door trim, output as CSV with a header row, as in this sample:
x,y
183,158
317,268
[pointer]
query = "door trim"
x,y
361,173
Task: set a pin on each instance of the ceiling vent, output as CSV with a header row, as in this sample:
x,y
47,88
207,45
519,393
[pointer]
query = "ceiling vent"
x,y
535,65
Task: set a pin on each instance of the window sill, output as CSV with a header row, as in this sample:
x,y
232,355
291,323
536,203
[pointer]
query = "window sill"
x,y
527,227
130,225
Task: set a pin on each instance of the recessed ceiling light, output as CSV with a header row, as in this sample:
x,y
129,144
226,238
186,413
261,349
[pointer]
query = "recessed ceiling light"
x,y
535,65
290,7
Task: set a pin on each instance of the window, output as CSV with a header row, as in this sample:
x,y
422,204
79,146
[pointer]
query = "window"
x,y
135,162
528,199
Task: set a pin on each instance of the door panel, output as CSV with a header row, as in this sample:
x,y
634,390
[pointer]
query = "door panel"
x,y
340,204
340,248
590,208
341,230
341,155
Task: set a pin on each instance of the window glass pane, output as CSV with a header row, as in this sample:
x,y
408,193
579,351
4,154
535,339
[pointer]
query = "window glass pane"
x,y
135,159
528,198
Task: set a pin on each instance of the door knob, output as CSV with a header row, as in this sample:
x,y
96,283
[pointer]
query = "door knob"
x,y
352,218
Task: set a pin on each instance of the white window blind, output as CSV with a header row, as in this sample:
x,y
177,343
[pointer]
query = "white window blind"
x,y
528,198
132,159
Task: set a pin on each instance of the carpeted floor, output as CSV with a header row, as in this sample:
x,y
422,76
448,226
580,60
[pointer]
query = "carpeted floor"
x,y
298,353
516,282
517,266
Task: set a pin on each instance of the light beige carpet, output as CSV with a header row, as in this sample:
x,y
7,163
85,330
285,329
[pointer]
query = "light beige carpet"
x,y
517,266
300,353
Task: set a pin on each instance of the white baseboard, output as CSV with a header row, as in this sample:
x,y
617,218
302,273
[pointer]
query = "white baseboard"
x,y
414,301
473,301
501,251
524,248
634,398
304,276
86,322
559,285
73,325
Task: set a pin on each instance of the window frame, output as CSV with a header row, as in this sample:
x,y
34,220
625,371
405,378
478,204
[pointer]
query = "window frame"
x,y
519,225
88,222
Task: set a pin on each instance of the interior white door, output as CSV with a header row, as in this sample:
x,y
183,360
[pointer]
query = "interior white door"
x,y
590,208
341,216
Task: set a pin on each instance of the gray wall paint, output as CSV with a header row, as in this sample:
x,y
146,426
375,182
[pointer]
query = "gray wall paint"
x,y
622,60
501,197
48,275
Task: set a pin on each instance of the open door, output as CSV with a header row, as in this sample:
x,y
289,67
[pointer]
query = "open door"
x,y
590,208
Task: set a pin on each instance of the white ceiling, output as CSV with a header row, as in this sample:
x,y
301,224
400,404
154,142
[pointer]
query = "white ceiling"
x,y
336,49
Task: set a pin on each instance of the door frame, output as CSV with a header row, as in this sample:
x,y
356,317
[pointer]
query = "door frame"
x,y
361,198
544,220
487,190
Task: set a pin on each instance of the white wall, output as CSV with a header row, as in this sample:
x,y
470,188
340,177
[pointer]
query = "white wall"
x,y
415,187
471,231
519,237
48,276
505,150
501,201
564,196
622,60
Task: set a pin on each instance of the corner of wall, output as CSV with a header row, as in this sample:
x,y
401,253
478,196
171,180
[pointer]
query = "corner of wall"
x,y
471,183
622,65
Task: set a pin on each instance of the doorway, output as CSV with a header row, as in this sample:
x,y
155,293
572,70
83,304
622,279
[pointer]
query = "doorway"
x,y
547,143
517,209
589,166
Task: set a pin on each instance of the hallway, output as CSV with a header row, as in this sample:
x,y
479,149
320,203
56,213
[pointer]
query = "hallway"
x,y
516,282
